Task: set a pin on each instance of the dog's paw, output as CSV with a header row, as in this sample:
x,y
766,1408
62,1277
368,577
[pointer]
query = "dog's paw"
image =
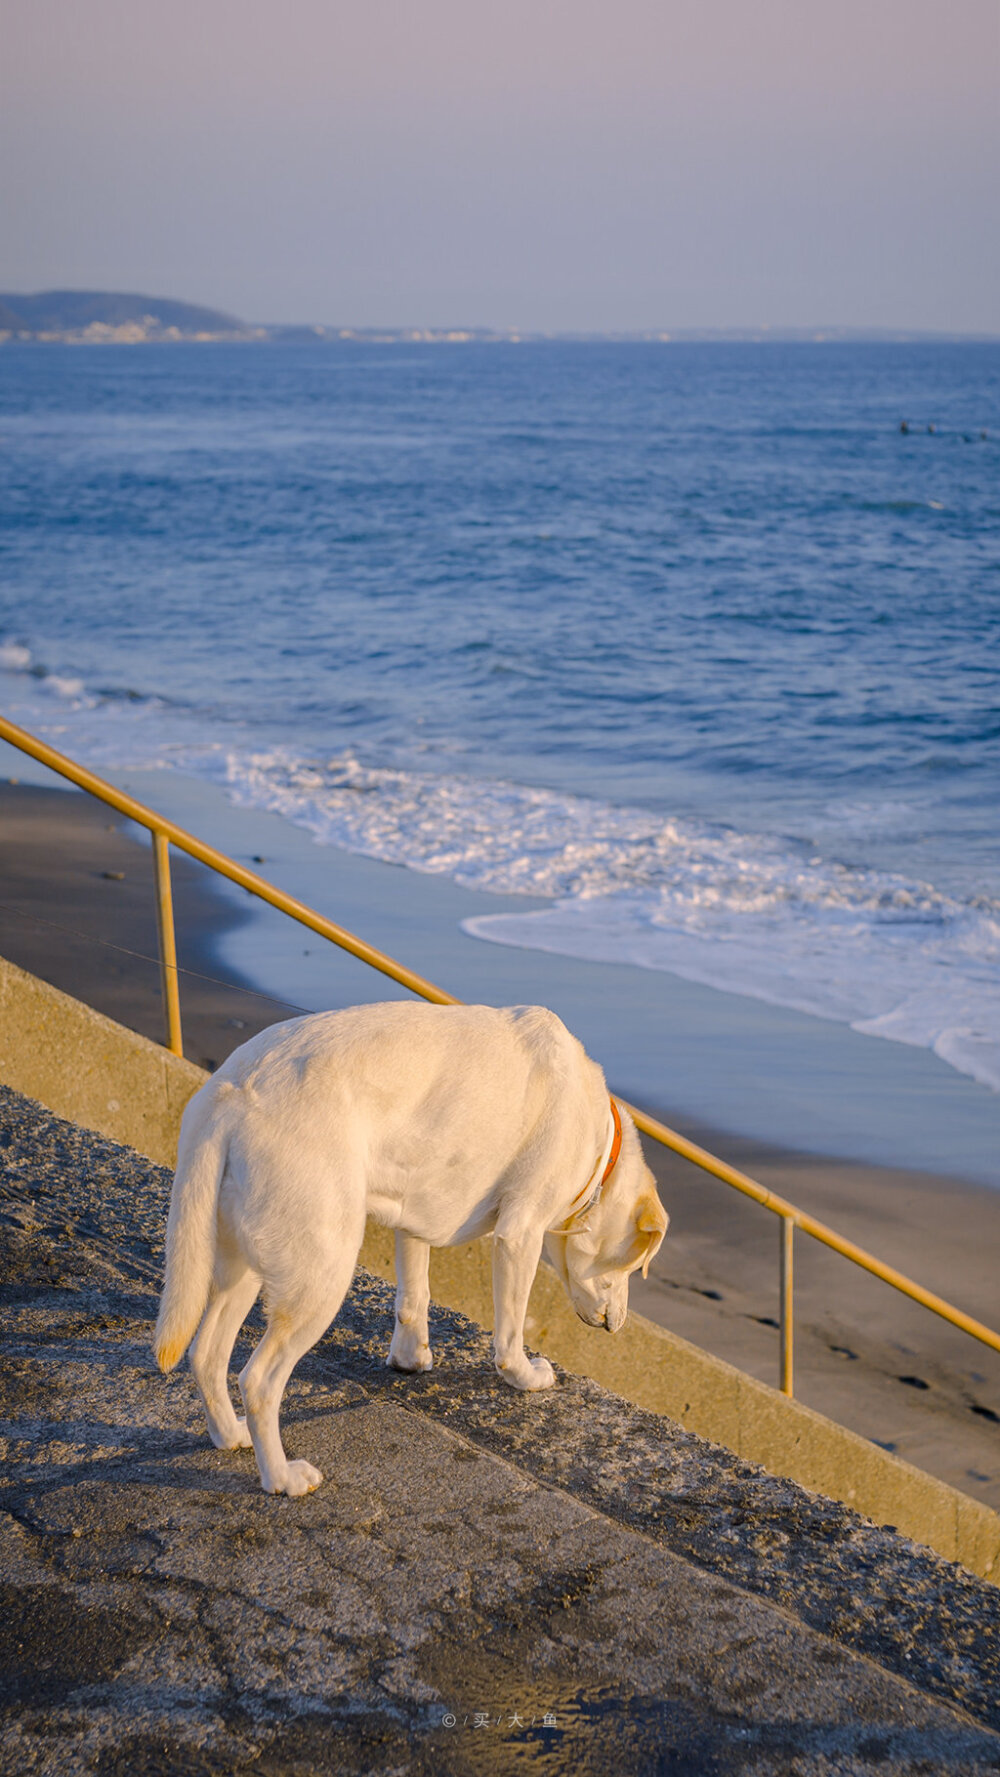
x,y
409,1358
530,1374
300,1478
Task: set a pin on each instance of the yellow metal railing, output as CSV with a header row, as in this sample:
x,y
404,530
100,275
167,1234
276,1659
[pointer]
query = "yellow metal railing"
x,y
166,833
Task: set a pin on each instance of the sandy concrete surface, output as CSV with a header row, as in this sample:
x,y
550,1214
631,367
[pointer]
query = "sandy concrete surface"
x,y
486,1582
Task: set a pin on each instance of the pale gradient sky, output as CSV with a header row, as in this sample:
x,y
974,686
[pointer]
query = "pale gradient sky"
x,y
550,164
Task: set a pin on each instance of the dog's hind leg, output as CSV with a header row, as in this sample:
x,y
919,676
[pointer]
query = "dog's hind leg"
x,y
410,1348
234,1290
296,1319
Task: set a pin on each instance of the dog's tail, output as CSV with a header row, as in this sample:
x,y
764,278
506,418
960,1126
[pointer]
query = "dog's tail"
x,y
190,1260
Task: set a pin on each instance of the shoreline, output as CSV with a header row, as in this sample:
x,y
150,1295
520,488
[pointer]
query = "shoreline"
x,y
864,1355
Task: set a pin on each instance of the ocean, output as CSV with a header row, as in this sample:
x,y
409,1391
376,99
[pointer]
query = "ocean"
x,y
692,646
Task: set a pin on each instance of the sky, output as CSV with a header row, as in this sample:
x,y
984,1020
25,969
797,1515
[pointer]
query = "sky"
x,y
553,165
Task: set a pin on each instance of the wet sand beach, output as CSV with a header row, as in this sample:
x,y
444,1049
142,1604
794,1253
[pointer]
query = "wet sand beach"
x,y
77,908
72,873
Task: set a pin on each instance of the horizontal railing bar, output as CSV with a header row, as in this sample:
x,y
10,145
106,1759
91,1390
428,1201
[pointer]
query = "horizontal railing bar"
x,y
218,861
731,1175
377,959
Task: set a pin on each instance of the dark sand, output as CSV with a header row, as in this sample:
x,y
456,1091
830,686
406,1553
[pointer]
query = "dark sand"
x,y
76,896
864,1355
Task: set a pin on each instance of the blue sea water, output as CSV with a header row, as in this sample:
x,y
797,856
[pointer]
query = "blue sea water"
x,y
692,642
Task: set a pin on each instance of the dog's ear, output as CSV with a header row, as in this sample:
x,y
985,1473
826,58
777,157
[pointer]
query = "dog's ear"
x,y
651,1222
652,1217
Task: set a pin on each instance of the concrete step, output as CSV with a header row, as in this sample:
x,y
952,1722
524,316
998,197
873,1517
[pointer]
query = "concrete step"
x,y
485,1582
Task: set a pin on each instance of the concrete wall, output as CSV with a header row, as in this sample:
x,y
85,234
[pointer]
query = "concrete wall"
x,y
93,1072
90,1070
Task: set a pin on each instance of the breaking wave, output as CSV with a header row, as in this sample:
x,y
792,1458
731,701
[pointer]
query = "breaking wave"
x,y
749,913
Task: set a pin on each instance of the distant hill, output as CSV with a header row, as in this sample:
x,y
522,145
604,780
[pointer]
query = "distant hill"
x,y
9,320
96,313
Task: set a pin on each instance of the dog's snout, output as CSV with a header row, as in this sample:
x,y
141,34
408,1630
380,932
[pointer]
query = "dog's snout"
x,y
593,1318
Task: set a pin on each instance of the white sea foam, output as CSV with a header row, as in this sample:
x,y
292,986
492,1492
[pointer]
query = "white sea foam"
x,y
56,686
14,658
749,913
932,986
18,660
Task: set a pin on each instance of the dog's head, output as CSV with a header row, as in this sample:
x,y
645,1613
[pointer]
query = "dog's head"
x,y
597,1252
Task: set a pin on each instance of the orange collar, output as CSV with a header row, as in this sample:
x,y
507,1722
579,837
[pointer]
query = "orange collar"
x,y
616,1145
595,1190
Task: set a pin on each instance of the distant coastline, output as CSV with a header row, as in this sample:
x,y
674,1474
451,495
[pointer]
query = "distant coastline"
x,y
109,317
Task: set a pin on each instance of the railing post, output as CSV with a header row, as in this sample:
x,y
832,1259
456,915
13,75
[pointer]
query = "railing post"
x,y
168,950
787,1231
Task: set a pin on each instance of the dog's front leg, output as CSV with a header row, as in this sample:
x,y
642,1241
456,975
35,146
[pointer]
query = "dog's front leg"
x,y
410,1348
515,1261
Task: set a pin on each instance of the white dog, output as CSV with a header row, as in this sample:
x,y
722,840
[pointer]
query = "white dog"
x,y
442,1122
